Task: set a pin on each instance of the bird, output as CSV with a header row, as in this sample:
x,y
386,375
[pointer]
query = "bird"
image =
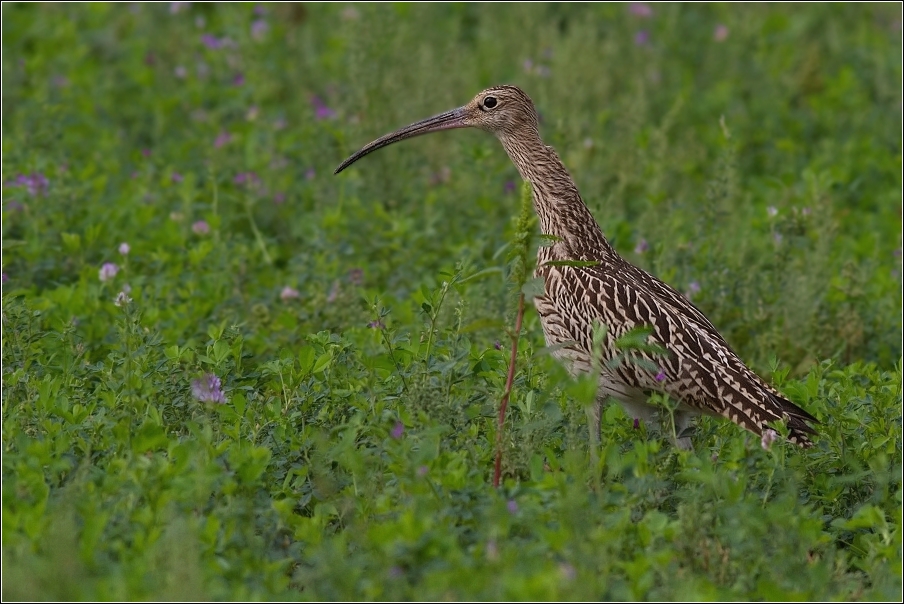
x,y
587,284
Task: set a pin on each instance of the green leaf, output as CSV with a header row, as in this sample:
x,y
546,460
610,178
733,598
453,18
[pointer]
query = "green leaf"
x,y
323,361
867,516
215,332
221,350
150,437
534,288
493,270
306,359
71,241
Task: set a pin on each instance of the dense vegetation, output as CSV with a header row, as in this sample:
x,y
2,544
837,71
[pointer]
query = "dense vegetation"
x,y
228,374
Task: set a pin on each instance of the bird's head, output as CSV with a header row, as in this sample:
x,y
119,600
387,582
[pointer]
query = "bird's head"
x,y
500,110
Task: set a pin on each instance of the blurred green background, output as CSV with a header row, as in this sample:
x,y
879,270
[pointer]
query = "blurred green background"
x,y
749,155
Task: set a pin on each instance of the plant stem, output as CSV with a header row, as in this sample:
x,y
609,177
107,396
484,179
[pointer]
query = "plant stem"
x,y
392,356
257,234
508,390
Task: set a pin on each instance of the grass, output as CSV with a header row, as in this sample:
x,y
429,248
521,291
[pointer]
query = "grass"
x,y
750,156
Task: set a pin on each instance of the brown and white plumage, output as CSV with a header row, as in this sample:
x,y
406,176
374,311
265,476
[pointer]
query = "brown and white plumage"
x,y
699,369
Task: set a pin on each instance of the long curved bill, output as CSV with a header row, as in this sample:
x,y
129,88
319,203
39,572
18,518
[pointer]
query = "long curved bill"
x,y
443,121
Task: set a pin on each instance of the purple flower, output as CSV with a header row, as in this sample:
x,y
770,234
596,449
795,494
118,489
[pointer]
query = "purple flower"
x,y
289,293
422,471
238,80
509,187
259,10
5,278
200,227
176,177
377,324
397,430
180,72
14,206
497,345
641,247
279,198
259,29
640,9
177,7
356,276
512,506
146,152
208,389
107,271
636,423
720,33
247,178
660,376
642,37
309,174
124,248
769,436
36,183
212,42
693,288
321,111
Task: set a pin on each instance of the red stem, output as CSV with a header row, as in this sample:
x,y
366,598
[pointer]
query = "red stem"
x,y
508,390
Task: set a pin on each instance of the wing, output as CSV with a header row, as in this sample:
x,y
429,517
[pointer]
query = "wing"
x,y
700,369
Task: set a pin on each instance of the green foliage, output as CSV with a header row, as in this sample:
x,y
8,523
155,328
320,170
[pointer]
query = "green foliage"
x,y
350,323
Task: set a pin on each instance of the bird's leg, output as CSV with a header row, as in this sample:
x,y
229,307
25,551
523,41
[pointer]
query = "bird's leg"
x,y
683,429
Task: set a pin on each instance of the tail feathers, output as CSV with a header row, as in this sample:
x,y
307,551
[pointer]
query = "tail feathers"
x,y
798,421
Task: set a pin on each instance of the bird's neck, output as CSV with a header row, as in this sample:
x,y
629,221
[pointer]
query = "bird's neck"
x,y
560,209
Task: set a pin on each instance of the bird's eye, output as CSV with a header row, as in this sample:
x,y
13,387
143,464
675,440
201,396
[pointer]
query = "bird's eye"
x,y
489,102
